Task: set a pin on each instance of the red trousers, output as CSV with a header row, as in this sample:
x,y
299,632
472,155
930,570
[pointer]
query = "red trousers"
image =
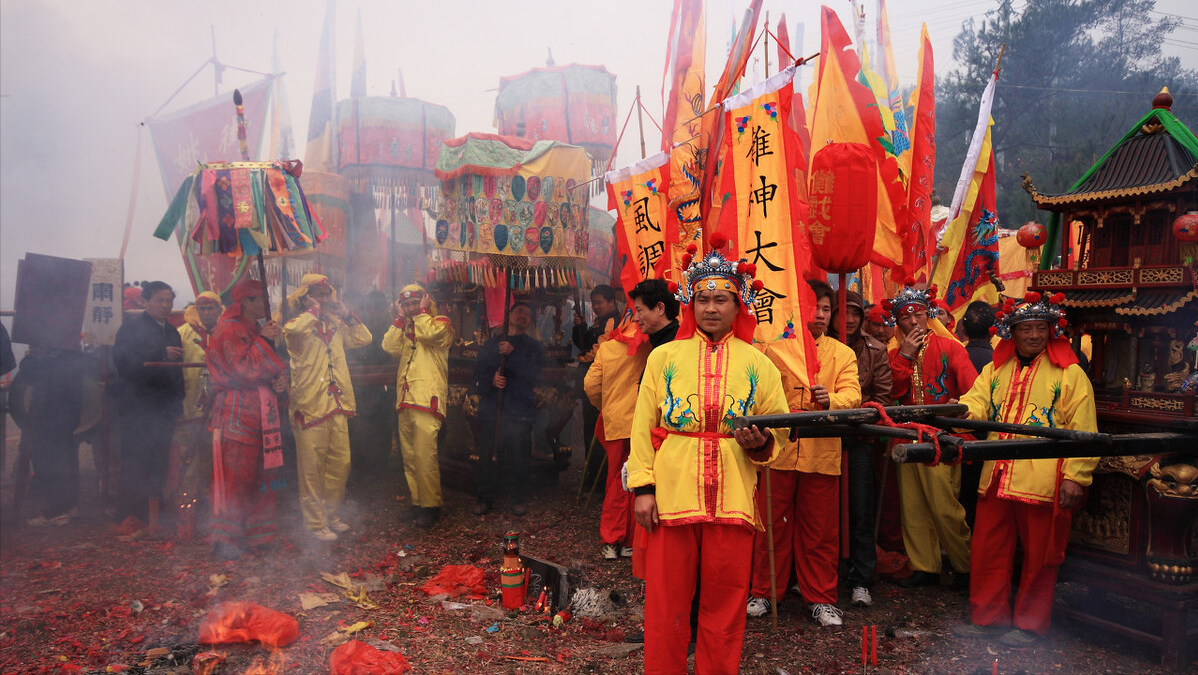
x,y
615,524
806,511
1043,532
676,556
249,509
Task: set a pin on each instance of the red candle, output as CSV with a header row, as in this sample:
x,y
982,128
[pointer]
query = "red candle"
x,y
994,668
873,652
864,645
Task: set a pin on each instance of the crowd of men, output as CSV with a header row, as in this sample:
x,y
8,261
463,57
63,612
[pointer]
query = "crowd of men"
x,y
686,495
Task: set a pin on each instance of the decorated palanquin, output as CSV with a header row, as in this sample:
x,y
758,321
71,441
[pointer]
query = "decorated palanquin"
x,y
513,220
1125,235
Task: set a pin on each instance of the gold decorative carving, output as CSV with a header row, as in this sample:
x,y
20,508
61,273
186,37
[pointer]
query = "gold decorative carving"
x,y
1162,275
1105,277
1057,278
1130,465
1105,522
1151,403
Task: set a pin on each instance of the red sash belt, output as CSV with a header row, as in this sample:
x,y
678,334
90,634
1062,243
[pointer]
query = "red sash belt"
x,y
660,433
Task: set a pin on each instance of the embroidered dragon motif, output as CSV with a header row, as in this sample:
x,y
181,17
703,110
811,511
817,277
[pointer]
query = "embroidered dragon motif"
x,y
938,388
741,407
995,407
675,417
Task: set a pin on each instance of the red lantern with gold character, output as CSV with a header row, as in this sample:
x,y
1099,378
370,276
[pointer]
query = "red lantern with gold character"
x,y
843,206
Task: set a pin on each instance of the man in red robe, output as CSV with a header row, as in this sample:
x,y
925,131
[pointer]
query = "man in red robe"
x,y
246,374
928,365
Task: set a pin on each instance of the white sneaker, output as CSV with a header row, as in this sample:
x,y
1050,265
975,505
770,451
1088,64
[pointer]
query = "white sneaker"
x,y
338,526
609,552
862,597
625,551
324,534
39,521
757,607
826,615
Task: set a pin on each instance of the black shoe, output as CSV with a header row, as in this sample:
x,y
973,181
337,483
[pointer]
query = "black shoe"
x,y
226,552
481,507
518,508
634,638
409,512
918,579
428,518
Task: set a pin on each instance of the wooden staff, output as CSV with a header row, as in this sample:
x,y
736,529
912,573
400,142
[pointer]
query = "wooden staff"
x,y
245,156
903,413
1044,448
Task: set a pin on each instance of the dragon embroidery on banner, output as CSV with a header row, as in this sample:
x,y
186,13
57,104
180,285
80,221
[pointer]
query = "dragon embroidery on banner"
x,y
984,253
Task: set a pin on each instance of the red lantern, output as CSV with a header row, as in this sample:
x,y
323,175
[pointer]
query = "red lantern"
x,y
843,206
1185,228
1032,235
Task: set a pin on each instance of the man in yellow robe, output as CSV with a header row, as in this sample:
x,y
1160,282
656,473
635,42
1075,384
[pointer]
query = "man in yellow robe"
x,y
421,340
1034,379
805,479
693,476
191,448
322,399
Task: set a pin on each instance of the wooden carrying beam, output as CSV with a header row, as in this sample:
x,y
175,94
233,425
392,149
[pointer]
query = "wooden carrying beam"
x,y
1044,448
905,413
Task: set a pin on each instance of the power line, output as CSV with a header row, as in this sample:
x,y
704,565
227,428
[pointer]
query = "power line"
x,y
1087,91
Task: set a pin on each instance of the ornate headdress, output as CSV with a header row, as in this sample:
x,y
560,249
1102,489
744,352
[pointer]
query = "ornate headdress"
x,y
910,300
713,272
411,291
1034,307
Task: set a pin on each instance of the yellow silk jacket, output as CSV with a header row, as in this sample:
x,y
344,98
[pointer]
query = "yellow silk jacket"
x,y
838,374
422,345
1041,394
611,384
320,385
194,342
681,440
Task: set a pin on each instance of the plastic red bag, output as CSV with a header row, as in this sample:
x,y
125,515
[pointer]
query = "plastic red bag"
x,y
247,622
359,658
455,580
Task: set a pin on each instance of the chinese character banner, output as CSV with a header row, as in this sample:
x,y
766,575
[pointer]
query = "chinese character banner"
x,y
760,154
639,194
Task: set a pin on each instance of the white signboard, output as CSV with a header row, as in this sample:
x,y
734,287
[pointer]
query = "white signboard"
x,y
104,300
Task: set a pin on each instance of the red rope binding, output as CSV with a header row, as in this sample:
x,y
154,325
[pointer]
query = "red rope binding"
x,y
921,429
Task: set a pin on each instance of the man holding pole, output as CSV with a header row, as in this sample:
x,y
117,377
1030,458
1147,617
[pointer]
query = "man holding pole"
x,y
693,476
420,340
1034,379
191,449
929,366
322,399
805,483
611,384
506,372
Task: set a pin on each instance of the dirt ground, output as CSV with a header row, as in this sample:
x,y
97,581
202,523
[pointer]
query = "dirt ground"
x,y
81,598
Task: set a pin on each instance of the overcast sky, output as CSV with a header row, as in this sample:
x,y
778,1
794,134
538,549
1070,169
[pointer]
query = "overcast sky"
x,y
76,78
